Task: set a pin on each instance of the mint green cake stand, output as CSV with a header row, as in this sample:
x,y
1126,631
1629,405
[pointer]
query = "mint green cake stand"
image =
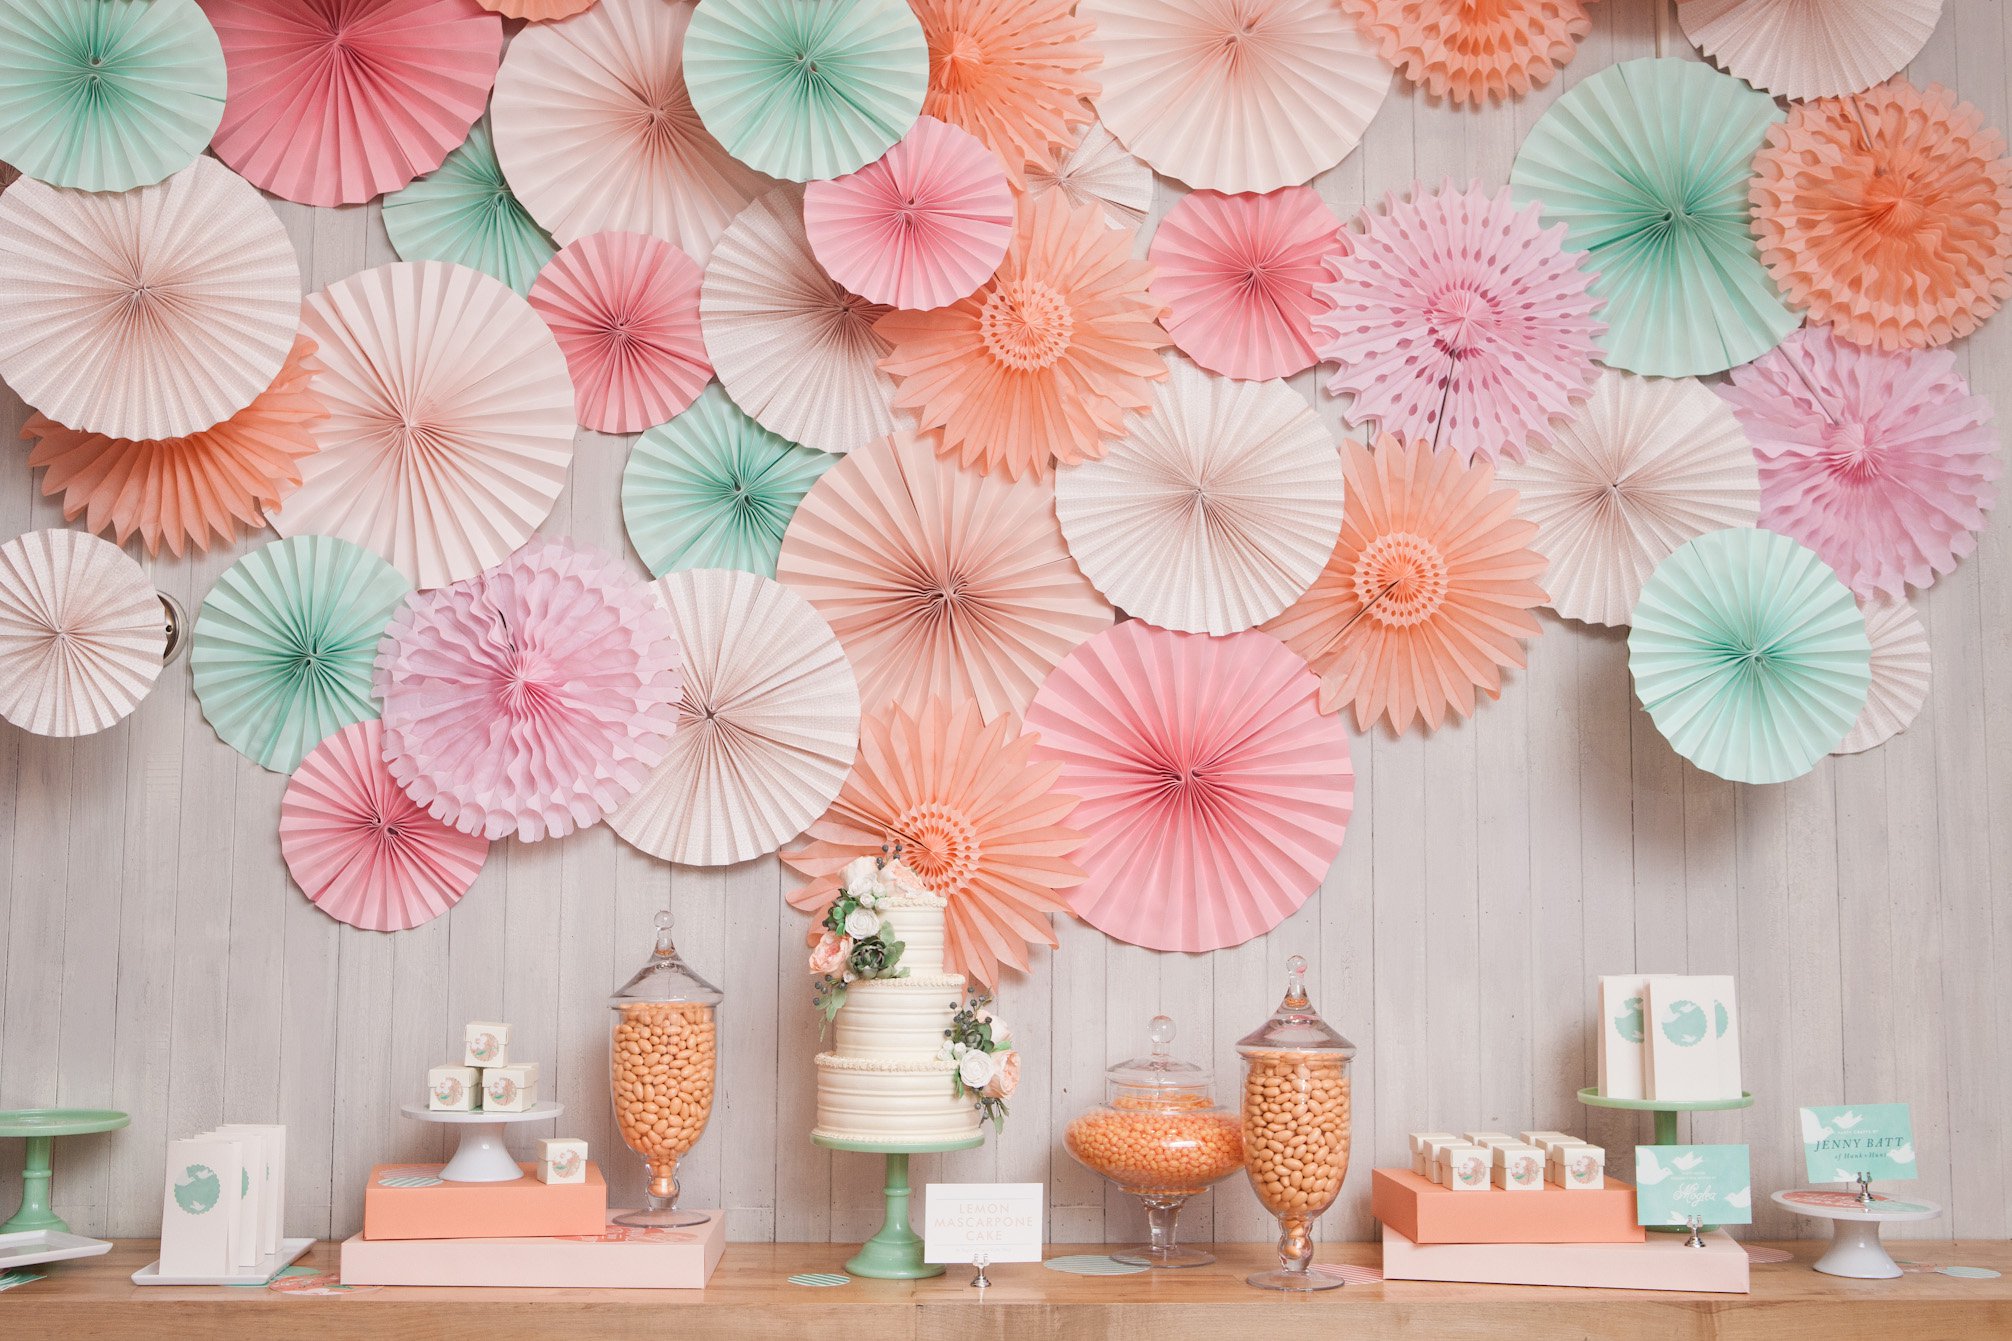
x,y
40,1127
895,1253
1666,1111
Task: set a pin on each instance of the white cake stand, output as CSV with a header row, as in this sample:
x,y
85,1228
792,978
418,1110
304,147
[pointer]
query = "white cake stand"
x,y
1855,1249
482,1157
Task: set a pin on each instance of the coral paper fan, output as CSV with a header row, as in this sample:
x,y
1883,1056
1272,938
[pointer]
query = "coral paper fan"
x,y
1214,794
921,226
1042,363
536,11
333,102
1900,674
977,818
1458,319
464,212
1468,50
1797,49
1881,463
1097,170
81,633
937,579
531,699
1016,73
1887,215
192,490
1237,274
361,849
1428,593
625,310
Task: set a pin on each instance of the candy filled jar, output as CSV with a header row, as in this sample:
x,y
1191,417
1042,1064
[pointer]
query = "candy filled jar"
x,y
1295,1126
663,1058
1159,1136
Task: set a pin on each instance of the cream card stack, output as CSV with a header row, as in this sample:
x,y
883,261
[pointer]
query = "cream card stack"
x,y
1669,1037
223,1200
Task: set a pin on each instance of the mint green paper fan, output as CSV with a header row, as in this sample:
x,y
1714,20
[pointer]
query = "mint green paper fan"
x,y
107,95
463,211
714,489
806,89
1750,655
1647,164
285,644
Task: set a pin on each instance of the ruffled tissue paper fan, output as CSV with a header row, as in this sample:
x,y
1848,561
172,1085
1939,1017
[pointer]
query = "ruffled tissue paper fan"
x,y
285,642
1097,170
464,212
1750,656
1213,793
1797,50
107,96
450,420
333,102
804,90
151,313
767,725
1214,512
531,699
1648,464
1647,164
1900,674
1456,318
362,850
1882,463
1470,50
1236,95
978,819
1018,74
81,633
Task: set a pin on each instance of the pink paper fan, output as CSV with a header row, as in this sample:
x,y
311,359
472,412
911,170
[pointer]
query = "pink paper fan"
x,y
1213,792
1237,274
1880,462
625,310
531,699
333,102
360,848
920,227
1457,319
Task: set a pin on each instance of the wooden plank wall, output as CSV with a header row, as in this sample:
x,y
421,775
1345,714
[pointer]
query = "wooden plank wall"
x,y
156,958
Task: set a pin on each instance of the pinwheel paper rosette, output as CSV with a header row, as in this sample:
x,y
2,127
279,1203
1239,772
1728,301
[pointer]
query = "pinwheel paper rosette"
x,y
1900,667
463,211
1469,51
1096,170
1018,74
1798,50
81,633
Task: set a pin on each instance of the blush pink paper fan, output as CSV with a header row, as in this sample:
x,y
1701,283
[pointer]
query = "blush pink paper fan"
x,y
531,699
536,11
1096,170
1901,670
1238,273
919,227
624,308
81,633
333,102
1883,463
1459,320
1212,791
362,850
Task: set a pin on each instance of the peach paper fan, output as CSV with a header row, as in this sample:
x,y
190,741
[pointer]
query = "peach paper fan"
x,y
1801,49
536,11
1470,50
1097,170
1015,73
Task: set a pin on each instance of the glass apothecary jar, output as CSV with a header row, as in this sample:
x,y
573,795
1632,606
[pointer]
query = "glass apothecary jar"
x,y
663,1063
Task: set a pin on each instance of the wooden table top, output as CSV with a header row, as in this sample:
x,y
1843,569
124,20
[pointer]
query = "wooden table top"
x,y
749,1296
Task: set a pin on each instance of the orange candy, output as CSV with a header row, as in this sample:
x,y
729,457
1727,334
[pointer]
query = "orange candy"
x,y
664,1056
1150,1148
1296,1130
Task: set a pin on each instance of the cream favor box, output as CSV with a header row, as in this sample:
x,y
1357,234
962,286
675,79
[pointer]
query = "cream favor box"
x,y
562,1160
1578,1168
1463,1167
1623,1042
486,1043
200,1207
1421,1155
1518,1167
510,1089
454,1089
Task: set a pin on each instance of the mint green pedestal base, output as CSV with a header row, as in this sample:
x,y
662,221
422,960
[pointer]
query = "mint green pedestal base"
x,y
895,1253
40,1127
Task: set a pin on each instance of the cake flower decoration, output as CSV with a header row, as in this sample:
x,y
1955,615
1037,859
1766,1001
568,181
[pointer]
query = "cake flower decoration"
x,y
852,942
987,1070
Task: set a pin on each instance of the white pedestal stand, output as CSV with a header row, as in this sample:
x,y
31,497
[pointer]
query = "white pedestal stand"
x,y
482,1157
1855,1249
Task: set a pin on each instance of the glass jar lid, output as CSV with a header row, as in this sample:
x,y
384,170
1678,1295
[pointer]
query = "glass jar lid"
x,y
1161,1071
1295,1026
666,977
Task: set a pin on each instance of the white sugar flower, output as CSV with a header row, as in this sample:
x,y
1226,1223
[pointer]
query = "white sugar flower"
x,y
976,1069
860,874
861,923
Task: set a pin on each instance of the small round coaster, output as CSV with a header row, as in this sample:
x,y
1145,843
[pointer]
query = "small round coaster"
x,y
1761,1256
1348,1274
1971,1273
1090,1264
822,1279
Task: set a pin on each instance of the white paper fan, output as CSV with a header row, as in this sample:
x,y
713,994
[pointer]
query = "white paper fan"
x,y
1098,168
1798,49
1900,674
81,633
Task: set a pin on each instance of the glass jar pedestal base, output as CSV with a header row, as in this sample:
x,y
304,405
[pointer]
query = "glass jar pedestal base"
x,y
1295,1256
1165,1250
660,1201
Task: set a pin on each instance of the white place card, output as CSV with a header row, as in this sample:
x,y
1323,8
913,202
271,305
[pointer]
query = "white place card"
x,y
268,1178
199,1207
1623,1045
1000,1222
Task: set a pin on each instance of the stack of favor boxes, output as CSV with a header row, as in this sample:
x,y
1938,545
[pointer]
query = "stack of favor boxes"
x,y
486,1077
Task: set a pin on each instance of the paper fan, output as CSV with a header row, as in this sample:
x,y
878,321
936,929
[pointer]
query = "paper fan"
x,y
625,310
333,102
1214,512
189,490
362,850
791,346
450,420
977,818
1647,465
536,11
1015,73
531,699
802,90
1900,672
1749,655
767,725
922,226
1888,215
937,579
1236,95
285,643
1797,50
81,633
714,489
1237,274
1881,463
107,96
1213,793
1427,595
1468,51
1043,362
463,212
1097,170
1647,163
150,313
